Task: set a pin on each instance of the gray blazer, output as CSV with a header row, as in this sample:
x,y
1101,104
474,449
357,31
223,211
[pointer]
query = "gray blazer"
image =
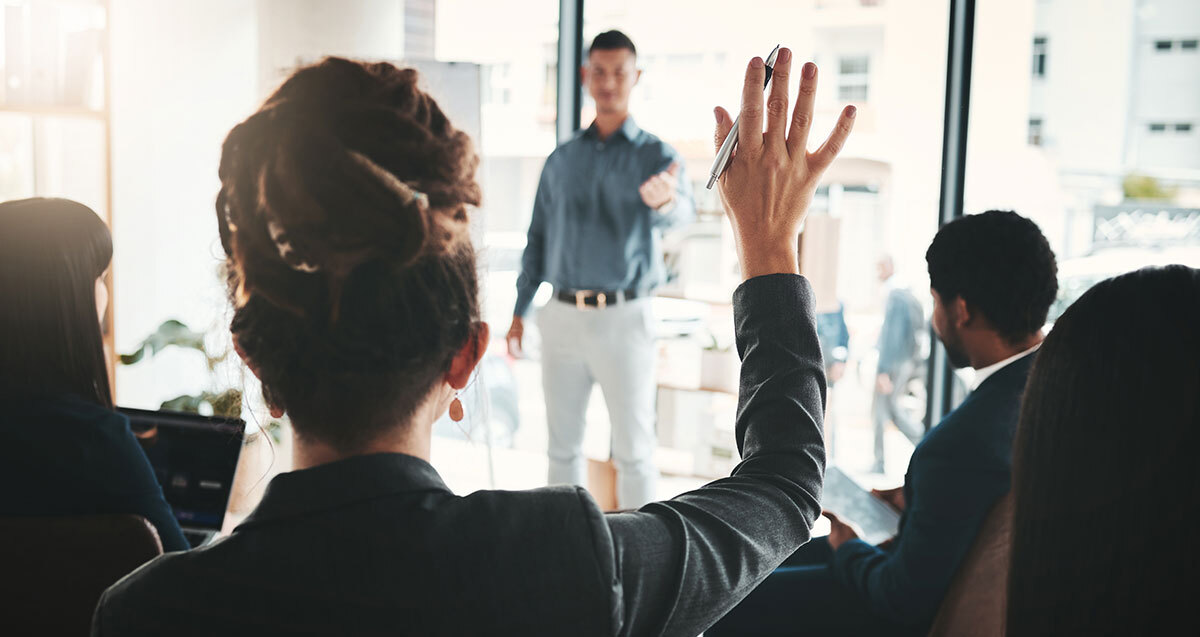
x,y
377,544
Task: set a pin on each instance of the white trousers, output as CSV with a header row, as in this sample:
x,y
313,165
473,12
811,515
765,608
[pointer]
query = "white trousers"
x,y
614,347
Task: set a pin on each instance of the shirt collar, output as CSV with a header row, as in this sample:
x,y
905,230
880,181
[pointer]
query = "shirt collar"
x,y
984,373
343,482
629,129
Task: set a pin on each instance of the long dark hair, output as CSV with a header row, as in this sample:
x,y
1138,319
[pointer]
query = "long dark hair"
x,y
1105,478
343,215
51,253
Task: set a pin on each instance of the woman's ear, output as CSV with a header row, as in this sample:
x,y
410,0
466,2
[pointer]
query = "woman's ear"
x,y
468,356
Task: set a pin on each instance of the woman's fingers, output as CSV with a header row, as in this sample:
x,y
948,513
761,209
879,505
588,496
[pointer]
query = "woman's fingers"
x,y
802,116
820,160
750,126
724,125
777,100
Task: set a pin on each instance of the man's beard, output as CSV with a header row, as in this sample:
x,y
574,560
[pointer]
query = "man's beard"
x,y
954,351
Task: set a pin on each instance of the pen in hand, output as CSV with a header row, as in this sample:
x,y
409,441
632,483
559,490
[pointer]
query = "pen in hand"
x,y
726,151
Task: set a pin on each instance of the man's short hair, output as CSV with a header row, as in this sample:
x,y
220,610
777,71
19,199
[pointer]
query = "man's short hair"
x,y
612,41
1000,263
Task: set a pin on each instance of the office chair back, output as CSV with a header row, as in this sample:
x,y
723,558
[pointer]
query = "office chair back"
x,y
53,570
976,602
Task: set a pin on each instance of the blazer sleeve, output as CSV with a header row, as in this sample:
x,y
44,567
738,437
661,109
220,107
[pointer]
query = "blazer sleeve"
x,y
680,565
906,585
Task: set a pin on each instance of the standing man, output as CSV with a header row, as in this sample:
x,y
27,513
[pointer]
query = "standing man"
x,y
898,359
604,199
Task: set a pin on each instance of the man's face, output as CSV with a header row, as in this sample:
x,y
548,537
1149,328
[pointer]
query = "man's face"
x,y
610,76
945,326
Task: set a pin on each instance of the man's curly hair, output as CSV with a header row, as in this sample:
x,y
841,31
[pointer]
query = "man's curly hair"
x,y
1000,263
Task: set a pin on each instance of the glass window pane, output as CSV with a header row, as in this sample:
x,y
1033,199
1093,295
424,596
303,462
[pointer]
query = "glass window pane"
x,y
1111,202
16,156
880,198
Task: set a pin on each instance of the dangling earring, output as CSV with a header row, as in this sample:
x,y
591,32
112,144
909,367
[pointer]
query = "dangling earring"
x,y
456,409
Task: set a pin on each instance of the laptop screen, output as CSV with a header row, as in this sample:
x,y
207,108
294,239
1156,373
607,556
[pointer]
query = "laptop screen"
x,y
194,458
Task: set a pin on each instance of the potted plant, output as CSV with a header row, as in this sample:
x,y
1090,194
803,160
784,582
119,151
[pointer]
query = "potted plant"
x,y
264,452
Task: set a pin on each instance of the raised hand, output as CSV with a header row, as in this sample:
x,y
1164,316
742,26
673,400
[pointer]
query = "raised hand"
x,y
770,181
659,189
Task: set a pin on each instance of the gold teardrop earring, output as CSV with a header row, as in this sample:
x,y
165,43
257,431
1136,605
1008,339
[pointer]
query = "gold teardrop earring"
x,y
456,409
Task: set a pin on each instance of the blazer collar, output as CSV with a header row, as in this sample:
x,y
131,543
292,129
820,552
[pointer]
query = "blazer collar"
x,y
336,484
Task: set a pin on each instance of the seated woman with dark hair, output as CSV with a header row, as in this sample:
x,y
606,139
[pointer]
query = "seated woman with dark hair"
x,y
343,213
1106,492
63,450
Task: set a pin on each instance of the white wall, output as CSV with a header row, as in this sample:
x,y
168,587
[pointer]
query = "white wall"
x,y
296,32
183,75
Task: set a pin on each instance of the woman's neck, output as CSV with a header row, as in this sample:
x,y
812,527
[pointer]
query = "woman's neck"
x,y
413,441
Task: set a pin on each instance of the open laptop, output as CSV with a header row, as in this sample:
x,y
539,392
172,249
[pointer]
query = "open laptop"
x,y
195,459
847,498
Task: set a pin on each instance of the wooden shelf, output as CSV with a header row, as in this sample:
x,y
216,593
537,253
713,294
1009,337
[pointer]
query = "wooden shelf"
x,y
694,388
710,299
55,111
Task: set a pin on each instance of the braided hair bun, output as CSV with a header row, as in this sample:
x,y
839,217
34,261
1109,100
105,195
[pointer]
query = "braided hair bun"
x,y
343,216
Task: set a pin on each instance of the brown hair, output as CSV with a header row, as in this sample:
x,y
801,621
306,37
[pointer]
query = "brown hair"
x,y
1104,468
343,216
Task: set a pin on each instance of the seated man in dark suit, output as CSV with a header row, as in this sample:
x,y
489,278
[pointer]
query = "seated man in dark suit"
x,y
993,277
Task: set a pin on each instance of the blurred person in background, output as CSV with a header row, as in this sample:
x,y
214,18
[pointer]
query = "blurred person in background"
x,y
604,199
899,360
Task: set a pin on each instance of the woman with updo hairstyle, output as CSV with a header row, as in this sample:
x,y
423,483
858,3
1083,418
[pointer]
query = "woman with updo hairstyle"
x,y
343,214
63,450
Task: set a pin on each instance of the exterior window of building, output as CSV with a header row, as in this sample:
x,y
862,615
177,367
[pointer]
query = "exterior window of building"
x,y
1035,131
1187,45
1110,203
1039,56
853,82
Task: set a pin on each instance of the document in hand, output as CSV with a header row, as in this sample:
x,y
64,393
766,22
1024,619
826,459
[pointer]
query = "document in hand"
x,y
847,498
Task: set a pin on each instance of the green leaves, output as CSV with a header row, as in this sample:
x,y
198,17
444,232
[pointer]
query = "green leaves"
x,y
171,332
226,404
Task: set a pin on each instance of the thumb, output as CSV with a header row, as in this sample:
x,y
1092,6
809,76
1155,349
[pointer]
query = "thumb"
x,y
673,169
724,125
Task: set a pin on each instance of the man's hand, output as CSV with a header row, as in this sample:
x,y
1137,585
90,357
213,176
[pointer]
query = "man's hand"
x,y
515,334
840,530
659,190
771,178
883,384
894,497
